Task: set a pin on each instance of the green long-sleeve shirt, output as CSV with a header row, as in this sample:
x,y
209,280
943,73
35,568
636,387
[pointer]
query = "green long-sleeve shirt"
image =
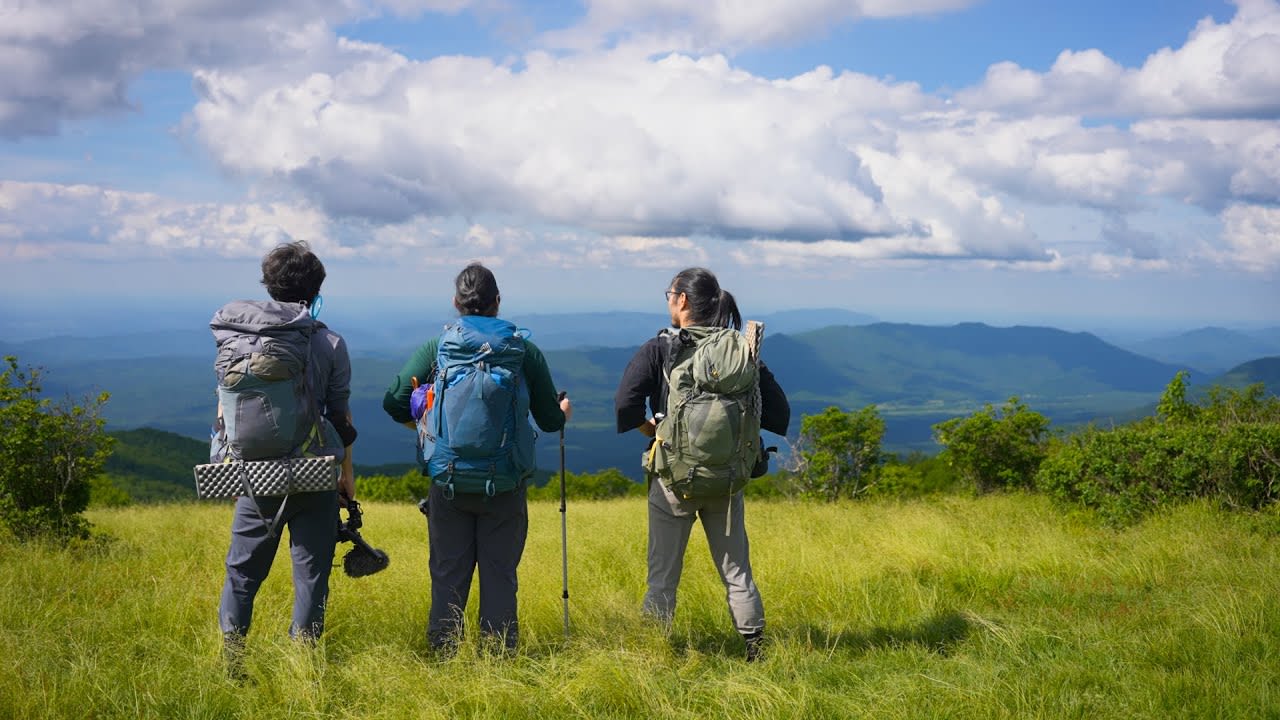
x,y
543,404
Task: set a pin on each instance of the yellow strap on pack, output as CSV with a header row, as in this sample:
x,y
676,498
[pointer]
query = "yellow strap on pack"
x,y
653,449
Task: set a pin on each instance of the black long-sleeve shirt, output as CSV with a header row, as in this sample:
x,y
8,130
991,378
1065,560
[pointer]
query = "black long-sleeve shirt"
x,y
643,383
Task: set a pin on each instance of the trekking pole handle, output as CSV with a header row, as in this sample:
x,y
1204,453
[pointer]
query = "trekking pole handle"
x,y
560,397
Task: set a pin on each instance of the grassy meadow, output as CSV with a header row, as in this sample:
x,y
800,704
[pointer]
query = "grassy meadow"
x,y
952,607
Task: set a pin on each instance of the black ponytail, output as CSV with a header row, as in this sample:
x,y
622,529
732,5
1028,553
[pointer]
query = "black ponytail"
x,y
709,304
727,314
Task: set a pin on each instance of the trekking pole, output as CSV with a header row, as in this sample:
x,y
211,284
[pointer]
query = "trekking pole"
x,y
564,534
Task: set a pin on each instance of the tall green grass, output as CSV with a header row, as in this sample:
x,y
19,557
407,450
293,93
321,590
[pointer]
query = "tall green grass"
x,y
950,607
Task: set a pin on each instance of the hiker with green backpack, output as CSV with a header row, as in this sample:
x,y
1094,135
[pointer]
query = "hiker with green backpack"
x,y
468,393
708,397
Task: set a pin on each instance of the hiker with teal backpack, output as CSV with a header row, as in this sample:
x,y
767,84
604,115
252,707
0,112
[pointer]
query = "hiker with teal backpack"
x,y
284,380
708,397
469,393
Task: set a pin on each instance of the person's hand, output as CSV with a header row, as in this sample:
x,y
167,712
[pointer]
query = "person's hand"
x,y
346,487
649,427
566,407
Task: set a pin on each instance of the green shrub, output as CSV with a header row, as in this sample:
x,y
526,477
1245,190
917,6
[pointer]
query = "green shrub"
x,y
838,453
774,485
49,453
608,483
412,485
914,476
1246,466
1226,449
403,488
103,492
995,448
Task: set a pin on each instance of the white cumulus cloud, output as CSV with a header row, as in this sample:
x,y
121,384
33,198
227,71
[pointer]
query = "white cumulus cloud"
x,y
1223,70
64,60
612,153
614,142
49,220
1252,237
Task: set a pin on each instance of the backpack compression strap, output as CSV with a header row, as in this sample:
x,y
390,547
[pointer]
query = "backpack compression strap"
x,y
273,525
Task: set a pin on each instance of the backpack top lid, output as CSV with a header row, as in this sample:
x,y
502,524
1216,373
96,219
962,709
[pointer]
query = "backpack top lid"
x,y
718,360
263,338
261,317
722,363
476,338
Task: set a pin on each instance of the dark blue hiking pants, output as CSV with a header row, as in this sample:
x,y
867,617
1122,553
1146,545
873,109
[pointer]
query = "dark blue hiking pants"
x,y
312,520
466,533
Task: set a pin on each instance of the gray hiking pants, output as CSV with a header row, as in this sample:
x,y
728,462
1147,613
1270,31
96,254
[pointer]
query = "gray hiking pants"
x,y
469,532
312,519
670,522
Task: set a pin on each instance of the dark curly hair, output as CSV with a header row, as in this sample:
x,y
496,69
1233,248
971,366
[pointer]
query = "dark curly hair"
x,y
476,291
710,304
292,273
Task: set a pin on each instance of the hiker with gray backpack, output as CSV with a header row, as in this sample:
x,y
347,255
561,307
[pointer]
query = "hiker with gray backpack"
x,y
708,397
469,393
283,421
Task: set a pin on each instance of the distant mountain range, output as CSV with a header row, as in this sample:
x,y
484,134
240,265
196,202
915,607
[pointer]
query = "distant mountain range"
x,y
1263,370
1211,350
917,375
155,465
615,329
396,333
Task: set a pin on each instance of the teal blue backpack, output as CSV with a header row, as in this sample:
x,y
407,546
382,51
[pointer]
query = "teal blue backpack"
x,y
476,437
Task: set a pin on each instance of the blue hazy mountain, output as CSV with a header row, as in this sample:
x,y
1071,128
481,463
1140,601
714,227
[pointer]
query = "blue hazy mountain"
x,y
391,333
71,350
917,375
155,465
1211,350
1262,370
562,331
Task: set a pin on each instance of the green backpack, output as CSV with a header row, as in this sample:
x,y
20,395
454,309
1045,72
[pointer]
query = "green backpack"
x,y
709,440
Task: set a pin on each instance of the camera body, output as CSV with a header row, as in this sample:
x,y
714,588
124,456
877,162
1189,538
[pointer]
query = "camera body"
x,y
355,521
363,559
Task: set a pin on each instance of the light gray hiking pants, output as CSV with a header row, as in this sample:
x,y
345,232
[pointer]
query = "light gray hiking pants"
x,y
312,519
670,522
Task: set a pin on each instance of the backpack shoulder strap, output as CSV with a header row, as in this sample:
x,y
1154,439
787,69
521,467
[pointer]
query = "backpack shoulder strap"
x,y
674,341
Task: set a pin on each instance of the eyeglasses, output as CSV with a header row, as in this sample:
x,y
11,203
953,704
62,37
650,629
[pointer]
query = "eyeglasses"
x,y
669,293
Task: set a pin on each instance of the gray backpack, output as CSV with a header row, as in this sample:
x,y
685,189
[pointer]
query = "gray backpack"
x,y
268,407
709,440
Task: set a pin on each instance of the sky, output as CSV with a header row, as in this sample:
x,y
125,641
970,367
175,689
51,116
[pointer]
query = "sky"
x,y
1086,164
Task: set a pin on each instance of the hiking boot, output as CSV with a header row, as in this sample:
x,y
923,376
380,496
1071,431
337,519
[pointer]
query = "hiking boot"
x,y
755,645
233,656
499,645
444,643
